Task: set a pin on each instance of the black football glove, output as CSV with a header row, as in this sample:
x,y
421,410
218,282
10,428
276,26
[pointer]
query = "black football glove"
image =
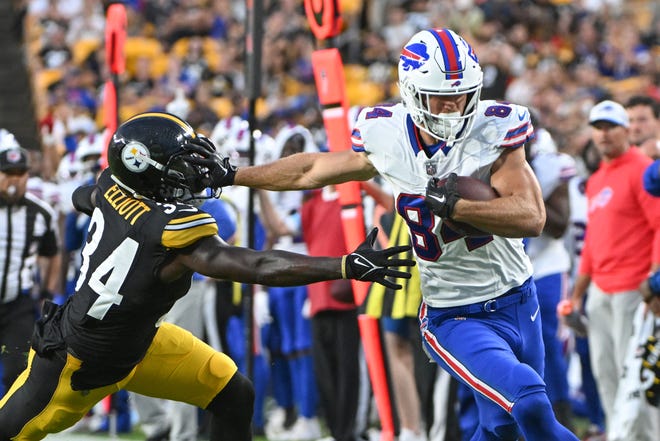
x,y
441,199
369,264
220,172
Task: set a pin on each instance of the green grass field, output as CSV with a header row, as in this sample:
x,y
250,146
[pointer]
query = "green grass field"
x,y
135,435
581,426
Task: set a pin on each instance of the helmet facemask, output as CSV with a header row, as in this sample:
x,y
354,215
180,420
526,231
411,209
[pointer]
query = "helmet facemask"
x,y
452,127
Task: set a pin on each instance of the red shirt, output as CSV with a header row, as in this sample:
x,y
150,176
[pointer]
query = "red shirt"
x,y
623,225
324,236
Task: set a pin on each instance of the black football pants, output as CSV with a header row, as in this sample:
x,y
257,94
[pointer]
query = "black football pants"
x,y
16,325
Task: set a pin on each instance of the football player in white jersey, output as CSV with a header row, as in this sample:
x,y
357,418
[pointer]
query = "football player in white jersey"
x,y
574,239
551,260
232,138
480,315
290,334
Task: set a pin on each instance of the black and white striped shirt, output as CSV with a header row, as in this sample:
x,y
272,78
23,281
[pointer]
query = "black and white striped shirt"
x,y
27,230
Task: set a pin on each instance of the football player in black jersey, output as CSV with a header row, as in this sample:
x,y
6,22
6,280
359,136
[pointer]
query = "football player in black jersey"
x,y
145,240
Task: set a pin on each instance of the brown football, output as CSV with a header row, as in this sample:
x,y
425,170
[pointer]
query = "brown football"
x,y
476,190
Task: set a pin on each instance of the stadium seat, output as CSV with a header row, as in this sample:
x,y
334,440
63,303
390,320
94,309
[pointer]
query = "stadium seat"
x,y
222,106
355,73
210,47
83,48
47,77
141,46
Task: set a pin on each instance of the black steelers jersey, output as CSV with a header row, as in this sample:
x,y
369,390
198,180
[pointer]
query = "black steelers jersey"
x,y
113,316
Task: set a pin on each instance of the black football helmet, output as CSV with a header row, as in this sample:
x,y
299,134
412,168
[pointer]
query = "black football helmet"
x,y
159,156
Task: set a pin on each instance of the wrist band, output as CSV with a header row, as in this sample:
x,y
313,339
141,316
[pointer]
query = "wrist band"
x,y
343,266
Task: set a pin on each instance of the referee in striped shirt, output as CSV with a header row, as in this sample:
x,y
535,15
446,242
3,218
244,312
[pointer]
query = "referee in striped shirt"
x,y
28,253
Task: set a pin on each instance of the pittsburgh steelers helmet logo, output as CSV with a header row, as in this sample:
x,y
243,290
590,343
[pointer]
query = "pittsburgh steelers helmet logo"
x,y
134,155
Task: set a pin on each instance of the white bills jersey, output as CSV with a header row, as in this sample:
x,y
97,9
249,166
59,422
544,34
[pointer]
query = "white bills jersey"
x,y
232,138
549,255
455,270
577,227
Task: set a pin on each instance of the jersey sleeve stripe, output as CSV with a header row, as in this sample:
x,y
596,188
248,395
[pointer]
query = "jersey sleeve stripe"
x,y
356,141
183,231
567,173
180,238
192,218
514,133
514,145
190,224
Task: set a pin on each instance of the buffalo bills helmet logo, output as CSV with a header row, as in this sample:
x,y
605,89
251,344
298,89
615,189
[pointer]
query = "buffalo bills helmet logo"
x,y
414,56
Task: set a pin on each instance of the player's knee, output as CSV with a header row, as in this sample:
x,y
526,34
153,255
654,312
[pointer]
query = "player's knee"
x,y
507,432
532,409
4,429
236,400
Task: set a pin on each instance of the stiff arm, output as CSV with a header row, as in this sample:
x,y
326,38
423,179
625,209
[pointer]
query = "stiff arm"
x,y
304,171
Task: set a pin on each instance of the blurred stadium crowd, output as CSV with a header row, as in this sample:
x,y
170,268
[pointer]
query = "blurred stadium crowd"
x,y
559,57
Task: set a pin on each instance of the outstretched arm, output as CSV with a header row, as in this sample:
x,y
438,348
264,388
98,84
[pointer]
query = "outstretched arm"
x,y
307,170
214,258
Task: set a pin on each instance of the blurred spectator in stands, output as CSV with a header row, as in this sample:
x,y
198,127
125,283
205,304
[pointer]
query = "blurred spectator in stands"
x,y
496,61
588,82
79,93
587,38
141,79
221,10
188,18
48,13
88,25
374,49
397,30
464,18
157,13
180,105
170,79
195,66
623,54
55,51
226,78
201,115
